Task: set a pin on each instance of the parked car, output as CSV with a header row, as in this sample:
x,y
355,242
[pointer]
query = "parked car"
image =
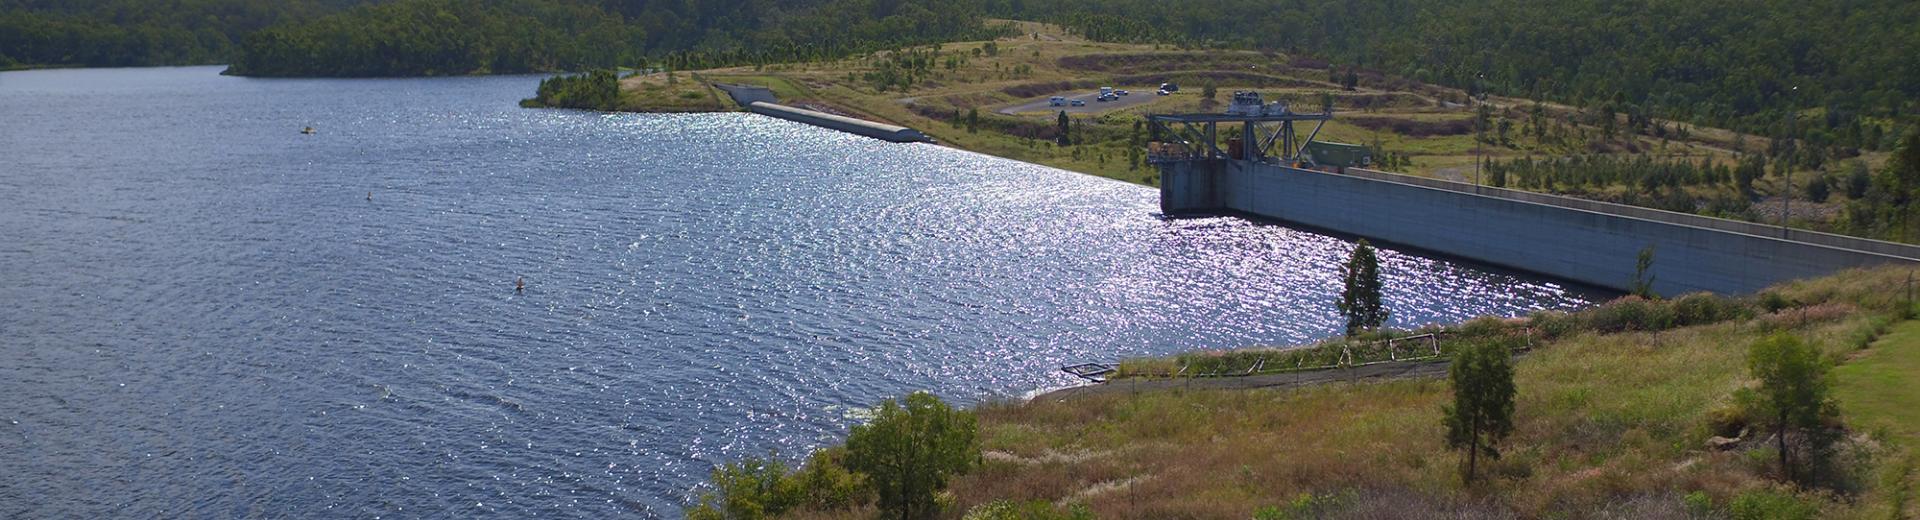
x,y
1056,101
1163,92
1169,87
1105,91
1121,92
1079,102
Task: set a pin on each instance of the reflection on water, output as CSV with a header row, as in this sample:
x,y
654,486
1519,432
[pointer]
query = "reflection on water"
x,y
208,315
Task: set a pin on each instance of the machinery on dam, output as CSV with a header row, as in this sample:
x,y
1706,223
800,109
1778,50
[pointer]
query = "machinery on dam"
x,y
1265,133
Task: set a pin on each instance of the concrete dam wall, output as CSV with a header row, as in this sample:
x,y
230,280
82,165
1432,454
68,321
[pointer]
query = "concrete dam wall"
x,y
760,100
882,131
1584,241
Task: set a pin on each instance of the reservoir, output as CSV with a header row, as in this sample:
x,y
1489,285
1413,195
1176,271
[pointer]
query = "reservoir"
x,y
209,313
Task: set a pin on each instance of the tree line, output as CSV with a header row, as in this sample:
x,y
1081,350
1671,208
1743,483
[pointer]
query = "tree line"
x,y
1749,65
128,33
441,37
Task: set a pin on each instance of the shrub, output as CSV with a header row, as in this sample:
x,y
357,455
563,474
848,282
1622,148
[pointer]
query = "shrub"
x,y
1705,308
748,489
595,90
1771,505
828,485
1553,324
1773,301
1629,313
1034,510
911,449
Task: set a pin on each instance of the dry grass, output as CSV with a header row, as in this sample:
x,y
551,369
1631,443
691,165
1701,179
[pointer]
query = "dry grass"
x,y
1608,425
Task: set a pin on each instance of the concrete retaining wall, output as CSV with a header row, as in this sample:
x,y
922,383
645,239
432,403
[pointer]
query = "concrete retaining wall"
x,y
882,131
1591,245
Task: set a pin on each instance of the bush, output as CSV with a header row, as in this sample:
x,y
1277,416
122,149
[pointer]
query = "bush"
x,y
1817,189
1629,313
1771,505
596,90
749,489
1705,308
1553,324
828,485
1773,301
1035,510
911,449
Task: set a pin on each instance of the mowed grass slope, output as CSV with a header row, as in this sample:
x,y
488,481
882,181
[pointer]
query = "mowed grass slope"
x,y
1879,391
1607,425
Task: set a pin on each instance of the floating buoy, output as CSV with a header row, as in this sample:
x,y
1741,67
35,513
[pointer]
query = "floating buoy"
x,y
307,130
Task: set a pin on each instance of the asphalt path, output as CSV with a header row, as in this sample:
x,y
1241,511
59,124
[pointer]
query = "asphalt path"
x,y
1092,107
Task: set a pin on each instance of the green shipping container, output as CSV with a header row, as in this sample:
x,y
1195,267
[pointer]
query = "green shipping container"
x,y
1322,153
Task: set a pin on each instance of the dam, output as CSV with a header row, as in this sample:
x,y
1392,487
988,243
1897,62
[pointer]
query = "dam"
x,y
1263,173
760,100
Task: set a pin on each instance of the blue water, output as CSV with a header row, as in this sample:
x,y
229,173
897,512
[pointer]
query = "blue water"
x,y
204,315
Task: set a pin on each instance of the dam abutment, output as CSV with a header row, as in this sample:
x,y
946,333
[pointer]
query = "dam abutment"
x,y
1589,242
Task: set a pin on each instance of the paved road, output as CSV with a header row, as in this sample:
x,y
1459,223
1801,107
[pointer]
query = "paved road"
x,y
1093,107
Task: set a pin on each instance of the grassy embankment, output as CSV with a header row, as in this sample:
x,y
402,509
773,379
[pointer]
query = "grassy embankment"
x,y
1427,130
1615,408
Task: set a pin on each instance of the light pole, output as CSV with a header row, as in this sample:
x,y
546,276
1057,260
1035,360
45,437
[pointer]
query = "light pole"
x,y
1786,196
1479,86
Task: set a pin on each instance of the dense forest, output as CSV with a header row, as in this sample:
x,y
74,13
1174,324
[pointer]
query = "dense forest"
x,y
1741,64
123,33
440,37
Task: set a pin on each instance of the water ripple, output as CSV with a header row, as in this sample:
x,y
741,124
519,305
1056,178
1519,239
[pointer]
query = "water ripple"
x,y
207,316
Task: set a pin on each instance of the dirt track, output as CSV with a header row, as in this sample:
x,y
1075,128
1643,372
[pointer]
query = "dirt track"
x,y
1283,380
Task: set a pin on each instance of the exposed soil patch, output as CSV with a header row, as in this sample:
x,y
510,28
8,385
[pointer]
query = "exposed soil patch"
x,y
1412,127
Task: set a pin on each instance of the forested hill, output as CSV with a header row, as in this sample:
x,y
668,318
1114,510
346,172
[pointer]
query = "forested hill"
x,y
123,33
1731,63
439,37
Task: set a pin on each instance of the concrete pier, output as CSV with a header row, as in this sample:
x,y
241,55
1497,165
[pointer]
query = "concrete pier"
x,y
1590,242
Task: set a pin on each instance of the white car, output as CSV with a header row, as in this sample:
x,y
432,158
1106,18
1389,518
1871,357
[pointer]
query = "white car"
x,y
1121,92
1056,101
1079,102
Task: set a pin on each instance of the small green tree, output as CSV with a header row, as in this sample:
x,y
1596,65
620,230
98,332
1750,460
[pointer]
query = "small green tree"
x,y
1643,275
1360,293
910,450
1792,395
1065,126
1482,410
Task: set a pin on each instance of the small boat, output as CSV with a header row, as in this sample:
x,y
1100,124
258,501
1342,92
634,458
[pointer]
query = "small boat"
x,y
307,130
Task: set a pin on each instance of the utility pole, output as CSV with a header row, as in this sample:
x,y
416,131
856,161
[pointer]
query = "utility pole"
x,y
1481,134
1786,198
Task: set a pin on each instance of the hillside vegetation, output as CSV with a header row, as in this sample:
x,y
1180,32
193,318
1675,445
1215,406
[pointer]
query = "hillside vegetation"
x,y
1633,409
990,96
